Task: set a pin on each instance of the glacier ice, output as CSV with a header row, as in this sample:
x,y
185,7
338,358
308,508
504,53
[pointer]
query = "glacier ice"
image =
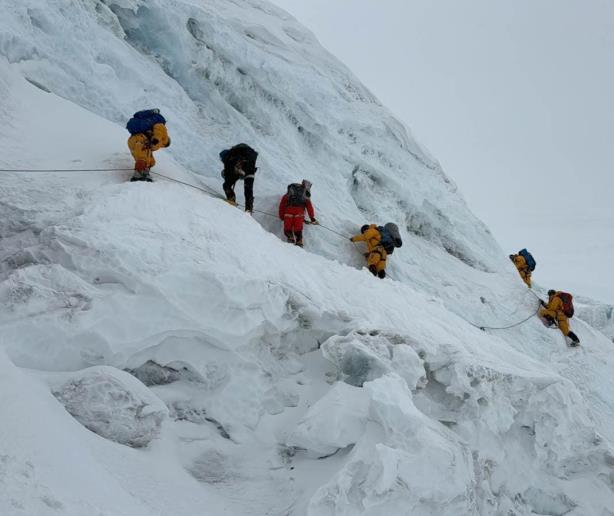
x,y
113,404
260,360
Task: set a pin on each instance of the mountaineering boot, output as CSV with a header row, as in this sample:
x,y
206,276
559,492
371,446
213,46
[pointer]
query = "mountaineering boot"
x,y
575,341
248,211
232,202
141,176
373,270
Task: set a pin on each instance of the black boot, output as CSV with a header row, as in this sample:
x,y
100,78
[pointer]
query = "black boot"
x,y
575,341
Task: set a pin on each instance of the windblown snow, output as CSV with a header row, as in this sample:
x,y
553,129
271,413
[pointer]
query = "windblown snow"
x,y
163,353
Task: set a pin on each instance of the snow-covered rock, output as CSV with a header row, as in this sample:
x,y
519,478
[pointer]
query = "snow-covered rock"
x,y
113,404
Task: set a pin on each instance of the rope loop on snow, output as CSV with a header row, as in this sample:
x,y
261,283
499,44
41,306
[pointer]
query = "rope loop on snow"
x,y
514,325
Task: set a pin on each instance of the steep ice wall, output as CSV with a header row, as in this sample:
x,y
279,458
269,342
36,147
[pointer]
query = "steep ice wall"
x,y
243,338
225,72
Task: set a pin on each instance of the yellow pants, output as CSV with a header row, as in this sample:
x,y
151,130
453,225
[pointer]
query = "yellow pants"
x,y
560,318
526,276
141,151
377,259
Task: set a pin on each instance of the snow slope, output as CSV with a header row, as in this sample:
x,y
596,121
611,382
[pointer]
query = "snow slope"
x,y
292,381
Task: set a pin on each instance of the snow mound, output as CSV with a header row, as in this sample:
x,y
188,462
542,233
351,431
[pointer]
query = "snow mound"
x,y
114,405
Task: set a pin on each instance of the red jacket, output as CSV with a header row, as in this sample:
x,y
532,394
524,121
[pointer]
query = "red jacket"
x,y
295,210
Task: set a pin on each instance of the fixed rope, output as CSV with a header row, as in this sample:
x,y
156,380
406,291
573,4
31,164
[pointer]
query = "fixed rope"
x,y
43,170
509,326
212,193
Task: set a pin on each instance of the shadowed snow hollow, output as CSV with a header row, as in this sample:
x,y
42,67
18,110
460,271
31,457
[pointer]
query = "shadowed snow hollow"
x,y
267,379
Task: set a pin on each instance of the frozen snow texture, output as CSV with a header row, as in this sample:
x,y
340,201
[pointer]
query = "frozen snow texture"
x,y
598,315
336,420
224,322
113,404
362,357
404,464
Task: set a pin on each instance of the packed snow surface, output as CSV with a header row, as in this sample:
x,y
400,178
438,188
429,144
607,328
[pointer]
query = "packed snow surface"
x,y
163,353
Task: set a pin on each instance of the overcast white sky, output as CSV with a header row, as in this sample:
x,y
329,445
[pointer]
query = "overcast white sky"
x,y
516,100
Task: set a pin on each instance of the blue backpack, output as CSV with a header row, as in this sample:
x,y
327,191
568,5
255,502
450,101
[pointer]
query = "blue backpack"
x,y
528,257
143,121
390,237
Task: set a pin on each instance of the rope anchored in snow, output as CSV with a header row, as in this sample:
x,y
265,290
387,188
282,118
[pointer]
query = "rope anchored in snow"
x,y
204,189
212,193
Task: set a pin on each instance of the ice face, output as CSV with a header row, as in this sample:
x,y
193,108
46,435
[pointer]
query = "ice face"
x,y
280,380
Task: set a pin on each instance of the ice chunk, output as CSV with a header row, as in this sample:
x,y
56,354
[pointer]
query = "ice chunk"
x,y
362,357
113,404
405,464
335,421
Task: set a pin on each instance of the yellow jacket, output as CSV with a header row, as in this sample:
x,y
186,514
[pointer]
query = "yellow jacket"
x,y
555,304
554,310
371,236
523,268
520,263
142,145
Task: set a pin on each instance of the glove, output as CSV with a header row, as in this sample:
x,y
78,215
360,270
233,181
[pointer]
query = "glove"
x,y
542,302
314,222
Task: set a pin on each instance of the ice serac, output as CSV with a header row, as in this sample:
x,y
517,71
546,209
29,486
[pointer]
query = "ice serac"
x,y
290,381
403,464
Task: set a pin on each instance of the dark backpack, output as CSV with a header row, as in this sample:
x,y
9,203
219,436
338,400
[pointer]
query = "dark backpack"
x,y
239,161
567,299
528,257
143,121
297,195
240,152
390,237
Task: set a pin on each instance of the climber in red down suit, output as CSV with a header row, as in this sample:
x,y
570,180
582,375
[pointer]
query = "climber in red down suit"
x,y
292,211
